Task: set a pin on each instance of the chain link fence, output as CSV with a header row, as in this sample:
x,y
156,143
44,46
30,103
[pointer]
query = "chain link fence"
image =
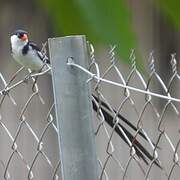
x,y
28,135
155,126
136,137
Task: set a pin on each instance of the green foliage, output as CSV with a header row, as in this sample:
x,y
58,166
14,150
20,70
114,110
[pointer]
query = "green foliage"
x,y
103,21
170,9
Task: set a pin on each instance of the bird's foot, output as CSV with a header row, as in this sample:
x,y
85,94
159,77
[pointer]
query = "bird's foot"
x,y
27,78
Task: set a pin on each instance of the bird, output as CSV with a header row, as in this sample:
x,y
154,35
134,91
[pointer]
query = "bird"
x,y
27,54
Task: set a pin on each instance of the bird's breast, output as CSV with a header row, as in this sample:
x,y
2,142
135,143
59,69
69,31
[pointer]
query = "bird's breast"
x,y
29,60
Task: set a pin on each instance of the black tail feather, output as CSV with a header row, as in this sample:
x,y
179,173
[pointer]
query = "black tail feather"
x,y
140,150
121,117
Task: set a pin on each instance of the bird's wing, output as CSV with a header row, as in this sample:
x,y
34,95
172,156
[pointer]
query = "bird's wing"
x,y
34,46
43,57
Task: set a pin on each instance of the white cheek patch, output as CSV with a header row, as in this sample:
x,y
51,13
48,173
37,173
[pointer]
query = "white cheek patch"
x,y
16,42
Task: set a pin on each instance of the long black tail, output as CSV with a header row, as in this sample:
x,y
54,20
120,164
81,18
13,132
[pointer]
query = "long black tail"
x,y
140,150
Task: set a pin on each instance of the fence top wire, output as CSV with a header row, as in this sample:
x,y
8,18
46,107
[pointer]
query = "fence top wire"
x,y
98,79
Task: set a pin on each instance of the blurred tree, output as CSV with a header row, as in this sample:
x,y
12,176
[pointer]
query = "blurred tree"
x,y
104,21
167,33
170,8
107,22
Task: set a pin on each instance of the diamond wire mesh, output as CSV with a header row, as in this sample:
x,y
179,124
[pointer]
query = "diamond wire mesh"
x,y
159,126
29,145
156,129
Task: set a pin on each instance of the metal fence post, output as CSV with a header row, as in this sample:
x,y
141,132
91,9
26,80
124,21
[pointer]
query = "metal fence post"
x,y
73,109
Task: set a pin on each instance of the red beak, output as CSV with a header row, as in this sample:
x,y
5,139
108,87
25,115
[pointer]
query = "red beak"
x,y
24,37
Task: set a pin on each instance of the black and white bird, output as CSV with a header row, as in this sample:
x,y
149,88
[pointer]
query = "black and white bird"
x,y
27,54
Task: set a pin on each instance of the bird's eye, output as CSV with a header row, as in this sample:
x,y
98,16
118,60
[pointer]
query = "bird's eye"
x,y
20,35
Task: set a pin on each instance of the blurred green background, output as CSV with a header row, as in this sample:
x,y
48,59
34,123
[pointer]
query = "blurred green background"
x,y
141,25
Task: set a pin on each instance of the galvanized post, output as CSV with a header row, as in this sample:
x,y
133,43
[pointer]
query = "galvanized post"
x,y
73,109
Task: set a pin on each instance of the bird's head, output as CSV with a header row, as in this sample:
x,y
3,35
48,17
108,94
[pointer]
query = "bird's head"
x,y
19,38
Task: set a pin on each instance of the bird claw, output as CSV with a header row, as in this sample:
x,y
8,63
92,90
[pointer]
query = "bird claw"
x,y
5,92
27,77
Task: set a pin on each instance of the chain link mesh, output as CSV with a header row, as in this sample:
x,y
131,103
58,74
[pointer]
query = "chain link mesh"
x,y
136,98
135,138
28,135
